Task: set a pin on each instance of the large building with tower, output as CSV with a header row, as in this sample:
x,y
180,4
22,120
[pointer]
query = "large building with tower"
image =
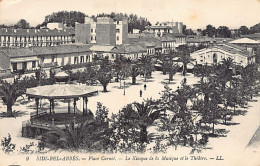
x,y
103,31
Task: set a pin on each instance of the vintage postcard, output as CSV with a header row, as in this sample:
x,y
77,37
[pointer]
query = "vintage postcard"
x,y
133,82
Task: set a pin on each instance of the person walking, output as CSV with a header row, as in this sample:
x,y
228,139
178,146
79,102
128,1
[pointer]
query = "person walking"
x,y
145,86
141,93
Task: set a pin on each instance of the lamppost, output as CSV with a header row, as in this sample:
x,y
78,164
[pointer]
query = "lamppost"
x,y
124,87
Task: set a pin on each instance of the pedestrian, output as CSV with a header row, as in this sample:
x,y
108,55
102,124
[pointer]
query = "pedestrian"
x,y
144,86
141,93
191,140
184,141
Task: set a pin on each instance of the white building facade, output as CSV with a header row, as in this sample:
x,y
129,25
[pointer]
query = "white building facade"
x,y
217,53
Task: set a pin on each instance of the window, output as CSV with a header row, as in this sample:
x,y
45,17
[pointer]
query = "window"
x,y
75,60
24,65
91,30
33,64
91,37
117,38
52,58
82,59
117,30
14,65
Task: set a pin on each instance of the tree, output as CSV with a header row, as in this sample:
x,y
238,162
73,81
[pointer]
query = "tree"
x,y
243,30
223,31
146,117
171,68
10,92
134,72
104,74
255,28
66,17
187,31
210,31
134,22
92,135
184,57
121,66
126,130
207,107
22,24
202,71
147,66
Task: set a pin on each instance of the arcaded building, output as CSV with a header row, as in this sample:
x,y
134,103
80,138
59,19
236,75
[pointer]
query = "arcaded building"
x,y
35,37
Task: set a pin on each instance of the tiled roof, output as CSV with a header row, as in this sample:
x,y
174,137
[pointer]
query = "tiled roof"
x,y
32,51
4,61
174,35
36,32
166,39
101,48
158,26
244,41
145,41
199,40
129,49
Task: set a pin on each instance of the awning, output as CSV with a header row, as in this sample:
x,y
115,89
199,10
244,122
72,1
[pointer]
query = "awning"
x,y
24,59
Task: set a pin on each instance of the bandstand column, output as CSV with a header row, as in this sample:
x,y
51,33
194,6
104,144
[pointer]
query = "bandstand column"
x,y
53,106
74,105
50,105
68,105
86,102
83,105
37,106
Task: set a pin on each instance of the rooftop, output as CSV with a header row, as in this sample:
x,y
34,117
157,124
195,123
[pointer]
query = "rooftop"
x,y
231,48
4,61
31,51
244,41
101,48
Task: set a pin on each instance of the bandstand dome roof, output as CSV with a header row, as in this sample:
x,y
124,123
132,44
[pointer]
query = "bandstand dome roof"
x,y
60,91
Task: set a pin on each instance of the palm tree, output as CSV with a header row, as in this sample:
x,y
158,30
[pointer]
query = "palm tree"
x,y
146,117
147,65
222,72
71,138
10,92
172,68
184,57
104,74
202,71
208,105
134,72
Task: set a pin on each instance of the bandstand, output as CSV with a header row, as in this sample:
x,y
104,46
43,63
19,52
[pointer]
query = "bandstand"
x,y
44,119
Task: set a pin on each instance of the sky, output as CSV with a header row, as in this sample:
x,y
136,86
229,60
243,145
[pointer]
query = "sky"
x,y
193,13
